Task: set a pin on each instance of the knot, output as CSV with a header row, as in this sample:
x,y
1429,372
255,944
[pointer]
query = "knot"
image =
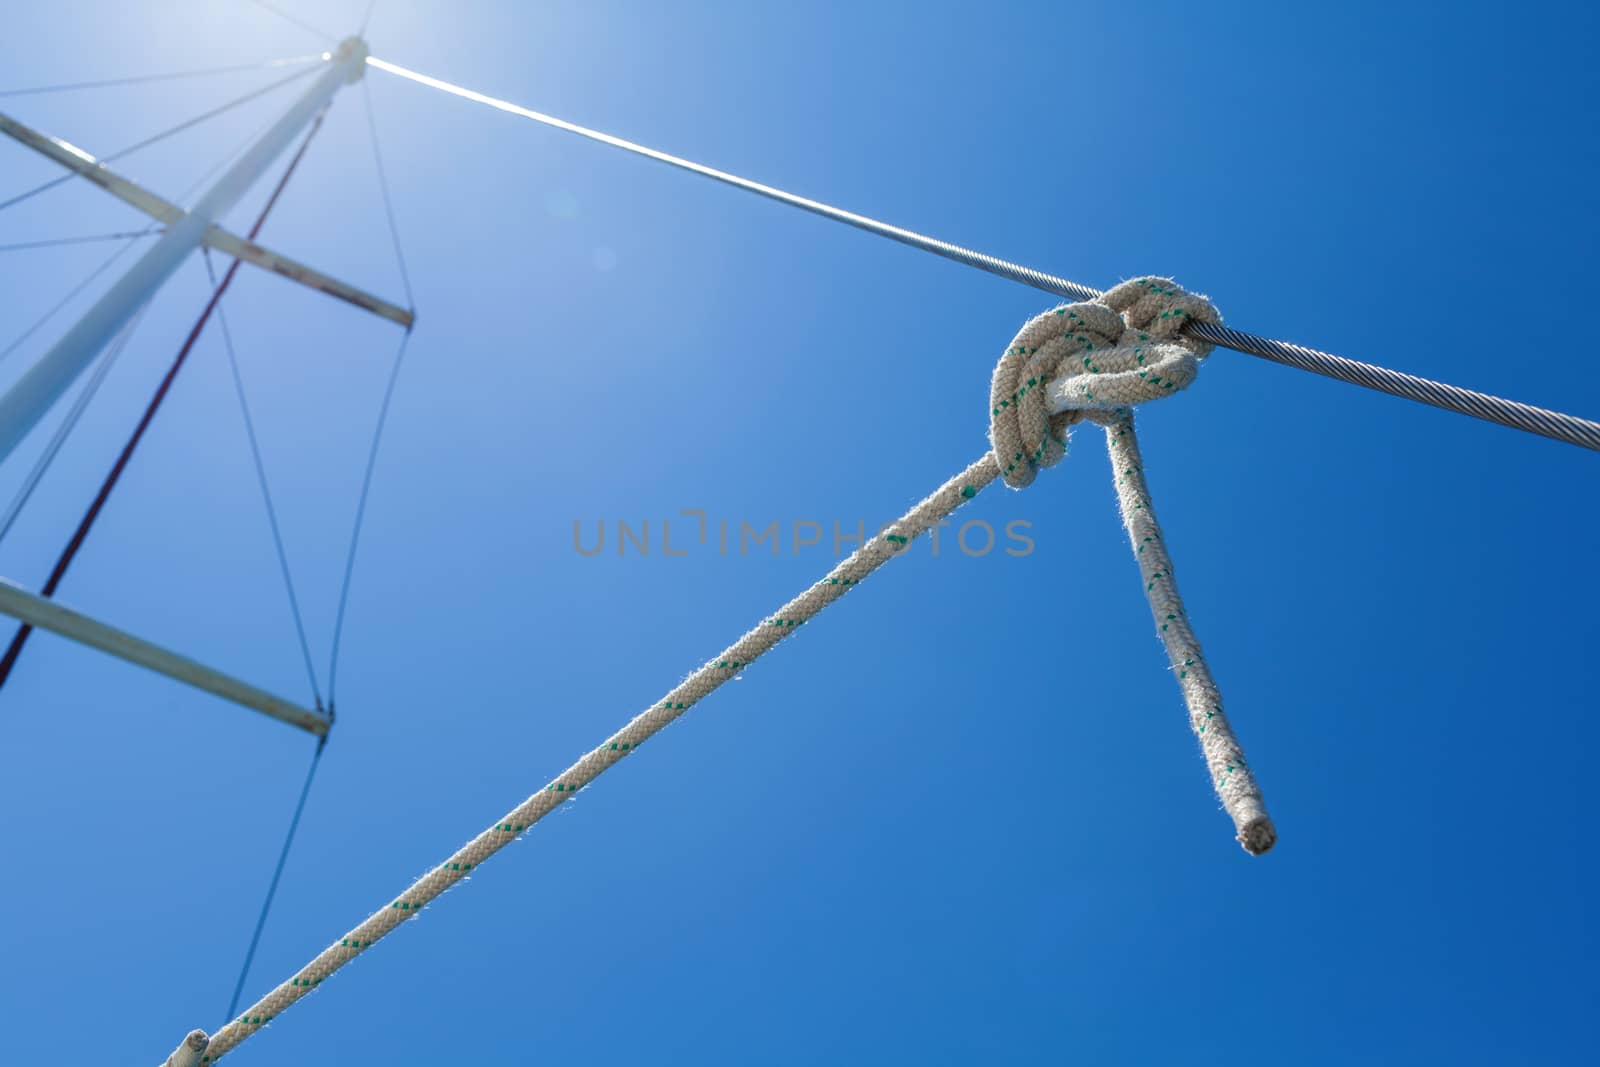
x,y
1095,361
1087,360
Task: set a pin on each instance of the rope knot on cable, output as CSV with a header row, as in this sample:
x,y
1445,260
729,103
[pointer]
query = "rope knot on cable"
x,y
1094,361
1085,361
1130,338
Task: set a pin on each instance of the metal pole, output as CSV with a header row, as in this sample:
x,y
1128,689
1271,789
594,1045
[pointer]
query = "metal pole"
x,y
35,392
114,475
49,615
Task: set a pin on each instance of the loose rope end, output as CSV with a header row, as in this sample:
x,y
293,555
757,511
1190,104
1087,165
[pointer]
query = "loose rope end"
x,y
1258,835
1095,360
188,1054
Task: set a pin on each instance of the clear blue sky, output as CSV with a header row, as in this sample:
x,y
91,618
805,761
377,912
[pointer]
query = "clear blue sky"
x,y
899,839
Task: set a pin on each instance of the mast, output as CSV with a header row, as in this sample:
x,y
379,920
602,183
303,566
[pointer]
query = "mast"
x,y
35,392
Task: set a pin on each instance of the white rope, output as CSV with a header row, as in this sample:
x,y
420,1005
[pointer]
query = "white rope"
x,y
189,1051
1110,355
1132,345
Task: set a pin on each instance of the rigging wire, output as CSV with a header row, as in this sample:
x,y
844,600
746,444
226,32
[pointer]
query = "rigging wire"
x,y
93,239
294,21
150,229
55,308
147,142
266,492
383,407
86,523
361,512
277,875
1553,424
141,78
283,562
79,405
388,198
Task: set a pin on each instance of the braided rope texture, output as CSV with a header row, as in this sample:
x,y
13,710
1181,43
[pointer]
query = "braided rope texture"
x,y
189,1051
1093,361
1078,362
757,642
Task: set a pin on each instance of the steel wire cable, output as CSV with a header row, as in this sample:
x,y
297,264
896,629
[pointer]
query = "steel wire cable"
x,y
383,407
139,79
149,230
295,20
69,423
74,544
261,481
1554,424
277,876
87,164
55,309
55,242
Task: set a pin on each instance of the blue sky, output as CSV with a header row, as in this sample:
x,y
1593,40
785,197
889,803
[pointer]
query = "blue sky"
x,y
961,818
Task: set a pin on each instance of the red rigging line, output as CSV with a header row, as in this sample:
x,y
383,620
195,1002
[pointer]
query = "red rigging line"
x,y
85,524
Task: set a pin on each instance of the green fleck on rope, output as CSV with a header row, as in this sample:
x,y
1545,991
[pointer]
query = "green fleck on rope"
x,y
1138,355
1098,324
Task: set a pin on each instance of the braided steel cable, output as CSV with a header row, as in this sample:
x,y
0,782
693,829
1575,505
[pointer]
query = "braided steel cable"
x,y
1518,416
